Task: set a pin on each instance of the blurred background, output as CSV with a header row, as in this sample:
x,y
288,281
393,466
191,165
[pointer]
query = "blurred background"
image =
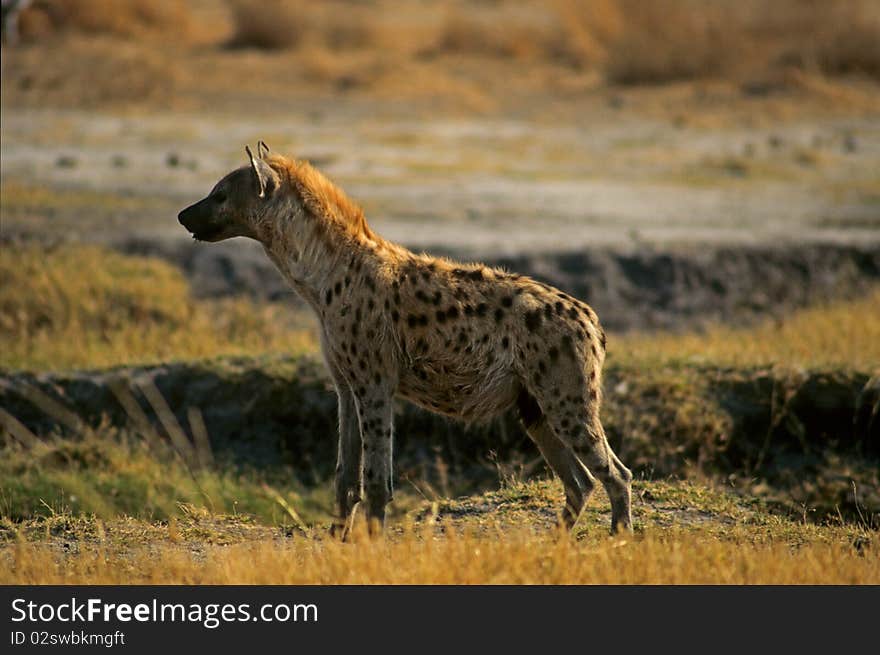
x,y
705,173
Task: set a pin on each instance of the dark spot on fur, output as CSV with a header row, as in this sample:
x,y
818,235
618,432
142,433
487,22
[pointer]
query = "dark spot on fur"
x,y
452,313
573,312
559,307
548,311
554,353
328,297
505,342
507,301
567,345
337,289
482,308
395,316
441,316
533,320
542,367
499,315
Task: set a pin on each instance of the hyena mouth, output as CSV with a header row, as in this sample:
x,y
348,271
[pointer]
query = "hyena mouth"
x,y
208,233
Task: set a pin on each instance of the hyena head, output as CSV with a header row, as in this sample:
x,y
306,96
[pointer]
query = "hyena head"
x,y
236,202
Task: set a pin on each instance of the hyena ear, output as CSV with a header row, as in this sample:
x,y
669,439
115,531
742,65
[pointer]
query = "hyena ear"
x,y
267,178
262,149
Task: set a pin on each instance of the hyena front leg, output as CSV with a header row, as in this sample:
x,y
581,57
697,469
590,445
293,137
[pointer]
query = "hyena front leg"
x,y
376,415
349,481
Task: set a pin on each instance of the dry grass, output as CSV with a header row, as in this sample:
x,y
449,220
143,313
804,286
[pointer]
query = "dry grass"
x,y
88,307
725,541
519,558
845,334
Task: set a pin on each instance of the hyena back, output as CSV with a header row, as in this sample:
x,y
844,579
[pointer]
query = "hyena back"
x,y
466,341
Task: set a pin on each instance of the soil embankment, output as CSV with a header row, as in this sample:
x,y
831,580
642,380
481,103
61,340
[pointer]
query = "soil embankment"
x,y
796,437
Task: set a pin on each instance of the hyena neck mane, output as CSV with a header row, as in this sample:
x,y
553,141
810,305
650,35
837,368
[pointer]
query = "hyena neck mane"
x,y
313,232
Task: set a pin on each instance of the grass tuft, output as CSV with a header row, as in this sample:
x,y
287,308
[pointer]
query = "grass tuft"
x,y
87,307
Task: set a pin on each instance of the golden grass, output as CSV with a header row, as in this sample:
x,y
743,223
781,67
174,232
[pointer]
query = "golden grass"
x,y
842,334
517,557
686,534
84,306
197,547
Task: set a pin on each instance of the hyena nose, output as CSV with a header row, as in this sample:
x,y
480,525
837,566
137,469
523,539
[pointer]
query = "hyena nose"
x,y
185,217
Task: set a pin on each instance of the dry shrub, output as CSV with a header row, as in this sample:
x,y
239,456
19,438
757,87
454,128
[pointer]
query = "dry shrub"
x,y
667,40
472,33
288,24
125,18
675,40
586,29
834,37
346,30
268,24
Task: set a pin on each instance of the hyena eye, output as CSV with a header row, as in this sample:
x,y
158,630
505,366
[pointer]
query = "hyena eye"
x,y
219,197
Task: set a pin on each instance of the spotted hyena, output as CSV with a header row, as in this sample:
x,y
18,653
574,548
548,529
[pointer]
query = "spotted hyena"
x,y
467,341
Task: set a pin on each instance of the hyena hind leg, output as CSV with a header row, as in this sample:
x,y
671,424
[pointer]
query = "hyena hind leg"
x,y
588,440
576,478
